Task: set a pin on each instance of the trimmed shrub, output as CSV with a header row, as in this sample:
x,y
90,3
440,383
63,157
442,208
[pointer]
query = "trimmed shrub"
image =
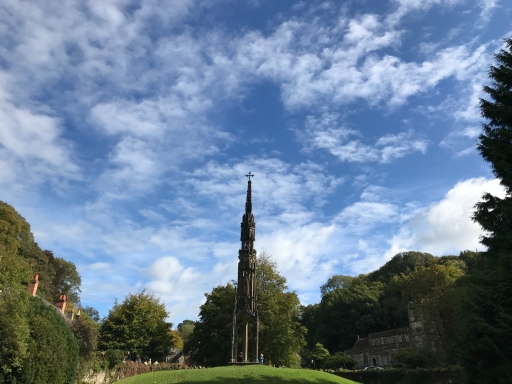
x,y
52,348
453,375
411,357
339,360
130,369
14,333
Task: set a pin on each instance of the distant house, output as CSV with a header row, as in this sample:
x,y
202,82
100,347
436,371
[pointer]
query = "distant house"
x,y
379,348
177,357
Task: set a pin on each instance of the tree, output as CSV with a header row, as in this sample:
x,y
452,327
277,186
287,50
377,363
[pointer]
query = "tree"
x,y
66,280
345,313
40,264
320,354
308,317
86,333
138,325
339,360
485,343
177,341
393,306
210,343
92,313
10,228
14,271
402,263
435,297
281,335
336,282
186,328
37,345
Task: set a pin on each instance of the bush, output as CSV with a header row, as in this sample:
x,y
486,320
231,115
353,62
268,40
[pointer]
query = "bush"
x,y
14,333
114,357
320,354
52,356
411,357
454,375
339,360
131,369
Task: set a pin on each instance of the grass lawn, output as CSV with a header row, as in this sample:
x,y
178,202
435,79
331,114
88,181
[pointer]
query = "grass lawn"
x,y
254,374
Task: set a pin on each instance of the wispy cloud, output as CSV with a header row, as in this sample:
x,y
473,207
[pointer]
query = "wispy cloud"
x,y
133,112
327,132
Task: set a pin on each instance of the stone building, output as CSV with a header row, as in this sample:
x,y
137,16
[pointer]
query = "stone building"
x,y
379,348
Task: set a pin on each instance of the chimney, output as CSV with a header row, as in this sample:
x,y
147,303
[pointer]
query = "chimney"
x,y
61,303
71,314
32,286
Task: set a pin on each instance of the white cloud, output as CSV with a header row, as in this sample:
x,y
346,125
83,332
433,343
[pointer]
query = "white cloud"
x,y
362,216
278,187
487,7
182,287
446,227
31,143
144,92
462,142
326,132
345,64
106,53
304,254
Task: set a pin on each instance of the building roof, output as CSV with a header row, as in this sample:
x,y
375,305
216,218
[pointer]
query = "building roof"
x,y
362,343
389,332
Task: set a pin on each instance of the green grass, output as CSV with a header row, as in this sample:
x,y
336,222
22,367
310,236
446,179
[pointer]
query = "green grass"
x,y
247,375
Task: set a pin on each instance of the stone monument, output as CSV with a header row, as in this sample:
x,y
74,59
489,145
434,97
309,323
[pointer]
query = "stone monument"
x,y
246,312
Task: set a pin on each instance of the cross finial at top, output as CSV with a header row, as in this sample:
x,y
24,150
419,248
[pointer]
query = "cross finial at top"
x,y
249,175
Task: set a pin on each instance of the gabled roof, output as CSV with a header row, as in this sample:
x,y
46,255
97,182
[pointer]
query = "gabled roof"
x,y
361,343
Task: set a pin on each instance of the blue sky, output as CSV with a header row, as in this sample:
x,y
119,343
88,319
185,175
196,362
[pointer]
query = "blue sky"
x,y
126,129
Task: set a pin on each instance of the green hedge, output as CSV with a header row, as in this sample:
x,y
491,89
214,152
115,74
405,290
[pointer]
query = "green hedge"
x,y
52,348
453,375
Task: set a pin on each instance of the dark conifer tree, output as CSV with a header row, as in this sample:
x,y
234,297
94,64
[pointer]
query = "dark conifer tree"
x,y
485,342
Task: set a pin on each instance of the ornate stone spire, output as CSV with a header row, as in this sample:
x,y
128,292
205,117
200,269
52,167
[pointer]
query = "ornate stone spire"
x,y
248,200
245,304
248,233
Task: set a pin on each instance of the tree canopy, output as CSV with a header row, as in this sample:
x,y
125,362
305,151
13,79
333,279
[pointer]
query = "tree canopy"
x,y
281,335
24,258
185,329
485,343
345,313
138,325
210,343
336,282
37,345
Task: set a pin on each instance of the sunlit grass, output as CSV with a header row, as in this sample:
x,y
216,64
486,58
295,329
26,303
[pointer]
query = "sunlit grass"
x,y
247,375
